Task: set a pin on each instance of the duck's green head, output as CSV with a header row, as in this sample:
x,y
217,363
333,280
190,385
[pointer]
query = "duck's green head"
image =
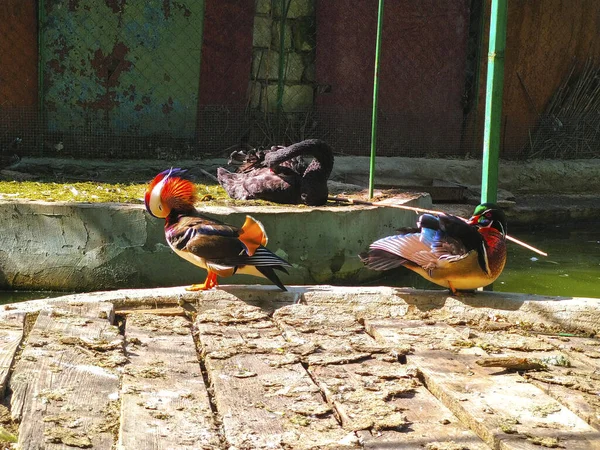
x,y
489,215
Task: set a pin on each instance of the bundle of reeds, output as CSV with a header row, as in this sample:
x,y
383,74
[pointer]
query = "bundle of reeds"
x,y
570,126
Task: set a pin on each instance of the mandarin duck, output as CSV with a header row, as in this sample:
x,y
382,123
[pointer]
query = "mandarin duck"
x,y
221,249
447,250
280,175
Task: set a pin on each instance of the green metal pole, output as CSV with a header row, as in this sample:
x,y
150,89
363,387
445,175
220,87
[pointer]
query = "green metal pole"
x,y
493,102
375,90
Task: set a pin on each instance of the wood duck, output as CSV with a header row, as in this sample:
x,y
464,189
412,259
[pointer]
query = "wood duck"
x,y
447,250
221,249
280,175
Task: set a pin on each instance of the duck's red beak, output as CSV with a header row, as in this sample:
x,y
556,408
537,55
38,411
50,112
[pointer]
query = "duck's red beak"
x,y
474,220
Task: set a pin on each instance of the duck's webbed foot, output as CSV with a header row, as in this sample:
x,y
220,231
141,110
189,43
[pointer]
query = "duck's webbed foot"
x,y
461,293
209,283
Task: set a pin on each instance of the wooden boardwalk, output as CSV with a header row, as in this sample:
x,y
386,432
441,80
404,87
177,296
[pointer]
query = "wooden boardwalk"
x,y
328,369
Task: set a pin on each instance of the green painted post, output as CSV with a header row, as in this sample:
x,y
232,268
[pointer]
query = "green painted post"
x,y
375,90
493,102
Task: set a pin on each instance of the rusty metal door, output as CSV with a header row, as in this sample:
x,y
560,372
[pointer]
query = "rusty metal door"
x,y
121,67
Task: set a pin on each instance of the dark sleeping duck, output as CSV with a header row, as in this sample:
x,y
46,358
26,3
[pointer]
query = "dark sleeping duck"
x,y
221,249
280,174
446,250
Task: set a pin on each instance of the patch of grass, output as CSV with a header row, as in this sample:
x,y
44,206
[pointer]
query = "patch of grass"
x,y
94,192
83,191
106,192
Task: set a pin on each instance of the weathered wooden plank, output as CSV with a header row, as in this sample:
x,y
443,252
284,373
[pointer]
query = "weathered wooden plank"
x,y
164,402
377,395
570,377
543,313
65,387
503,409
570,365
173,311
361,391
84,310
586,350
390,409
334,334
262,393
430,425
11,335
574,377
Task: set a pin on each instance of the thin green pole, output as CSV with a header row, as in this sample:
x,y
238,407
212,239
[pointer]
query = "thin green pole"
x,y
375,90
493,101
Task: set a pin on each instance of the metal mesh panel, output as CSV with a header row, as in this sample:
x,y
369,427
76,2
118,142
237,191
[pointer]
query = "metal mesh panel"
x,y
19,127
193,79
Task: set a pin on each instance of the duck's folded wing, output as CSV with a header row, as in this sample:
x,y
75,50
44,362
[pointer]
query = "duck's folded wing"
x,y
457,230
444,234
219,245
409,247
205,238
466,236
428,249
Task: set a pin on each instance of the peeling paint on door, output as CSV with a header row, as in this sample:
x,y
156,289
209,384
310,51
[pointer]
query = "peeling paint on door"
x,y
125,67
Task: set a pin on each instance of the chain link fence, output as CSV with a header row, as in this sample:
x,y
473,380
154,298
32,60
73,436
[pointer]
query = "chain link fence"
x,y
165,79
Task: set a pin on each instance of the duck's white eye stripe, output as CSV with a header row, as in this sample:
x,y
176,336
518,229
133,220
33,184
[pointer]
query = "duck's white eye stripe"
x,y
155,203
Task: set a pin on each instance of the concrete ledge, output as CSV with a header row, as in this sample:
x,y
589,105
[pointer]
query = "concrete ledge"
x,y
541,313
580,176
85,247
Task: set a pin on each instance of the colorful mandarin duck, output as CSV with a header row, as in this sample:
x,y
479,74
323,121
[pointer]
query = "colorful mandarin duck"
x,y
446,250
221,249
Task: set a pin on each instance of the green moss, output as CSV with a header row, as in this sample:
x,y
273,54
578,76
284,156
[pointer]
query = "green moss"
x,y
93,192
72,192
113,192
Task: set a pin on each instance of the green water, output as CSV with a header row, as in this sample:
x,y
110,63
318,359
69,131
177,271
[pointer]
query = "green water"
x,y
572,267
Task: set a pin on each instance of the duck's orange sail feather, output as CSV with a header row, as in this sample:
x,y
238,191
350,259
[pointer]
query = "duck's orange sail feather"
x,y
252,235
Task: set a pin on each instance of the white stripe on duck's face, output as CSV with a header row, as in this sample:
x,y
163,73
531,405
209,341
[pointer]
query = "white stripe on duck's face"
x,y
155,204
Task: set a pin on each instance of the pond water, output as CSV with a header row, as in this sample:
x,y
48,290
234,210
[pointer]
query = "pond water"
x,y
572,267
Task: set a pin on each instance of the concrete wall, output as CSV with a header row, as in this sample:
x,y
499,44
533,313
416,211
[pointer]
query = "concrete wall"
x,y
84,247
519,177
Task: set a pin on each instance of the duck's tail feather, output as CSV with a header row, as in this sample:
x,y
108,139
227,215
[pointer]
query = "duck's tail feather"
x,y
262,257
269,272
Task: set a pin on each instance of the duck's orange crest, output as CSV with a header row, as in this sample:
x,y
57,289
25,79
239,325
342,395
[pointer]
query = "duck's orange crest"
x,y
178,192
167,192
